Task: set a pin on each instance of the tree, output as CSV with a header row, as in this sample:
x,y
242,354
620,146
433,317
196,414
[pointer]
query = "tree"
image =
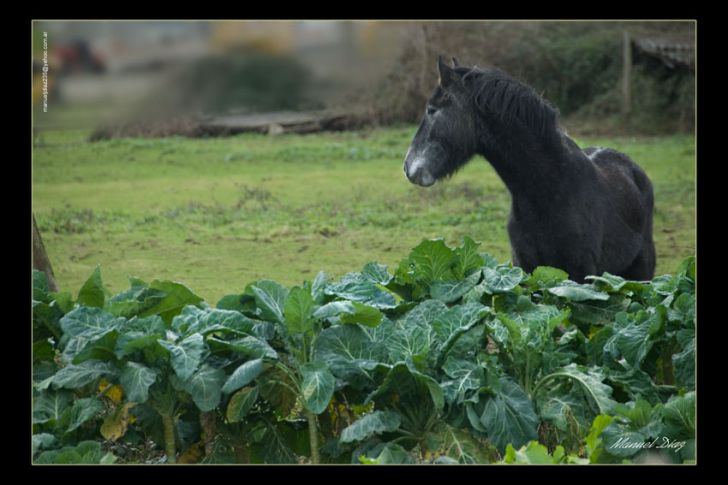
x,y
40,258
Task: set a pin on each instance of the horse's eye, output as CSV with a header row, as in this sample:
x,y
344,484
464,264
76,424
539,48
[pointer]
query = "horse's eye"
x,y
431,110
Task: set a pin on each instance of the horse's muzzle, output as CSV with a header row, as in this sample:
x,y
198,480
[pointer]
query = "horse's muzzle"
x,y
417,172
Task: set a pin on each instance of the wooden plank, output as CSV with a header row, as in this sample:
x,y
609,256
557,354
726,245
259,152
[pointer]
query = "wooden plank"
x,y
276,123
273,123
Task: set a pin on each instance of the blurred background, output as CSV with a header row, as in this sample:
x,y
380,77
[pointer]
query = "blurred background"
x,y
169,75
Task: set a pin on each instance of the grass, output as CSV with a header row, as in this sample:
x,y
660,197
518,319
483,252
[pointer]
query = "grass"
x,y
217,214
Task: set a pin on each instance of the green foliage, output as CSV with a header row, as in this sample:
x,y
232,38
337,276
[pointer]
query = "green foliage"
x,y
572,64
86,452
576,65
243,375
317,386
247,80
369,425
381,367
135,379
241,403
506,417
92,293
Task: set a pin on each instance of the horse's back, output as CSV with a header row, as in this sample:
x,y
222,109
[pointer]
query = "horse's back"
x,y
622,174
626,187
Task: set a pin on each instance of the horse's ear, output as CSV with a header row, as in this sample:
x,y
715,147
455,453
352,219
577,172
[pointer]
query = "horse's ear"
x,y
455,63
448,77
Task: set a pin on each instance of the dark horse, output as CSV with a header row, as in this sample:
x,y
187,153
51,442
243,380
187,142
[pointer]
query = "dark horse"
x,y
584,211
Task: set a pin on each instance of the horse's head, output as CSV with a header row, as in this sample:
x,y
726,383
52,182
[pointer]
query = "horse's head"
x,y
447,137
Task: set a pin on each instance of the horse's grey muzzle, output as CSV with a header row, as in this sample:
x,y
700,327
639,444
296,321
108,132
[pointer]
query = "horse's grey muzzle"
x,y
417,173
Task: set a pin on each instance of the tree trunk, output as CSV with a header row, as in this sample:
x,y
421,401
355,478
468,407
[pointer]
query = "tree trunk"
x,y
40,258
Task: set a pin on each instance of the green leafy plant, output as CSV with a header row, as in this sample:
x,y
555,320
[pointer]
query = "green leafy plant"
x,y
453,358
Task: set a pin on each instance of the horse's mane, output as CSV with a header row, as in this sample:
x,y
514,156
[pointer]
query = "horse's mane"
x,y
495,92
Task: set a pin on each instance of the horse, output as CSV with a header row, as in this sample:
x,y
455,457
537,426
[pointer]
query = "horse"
x,y
585,211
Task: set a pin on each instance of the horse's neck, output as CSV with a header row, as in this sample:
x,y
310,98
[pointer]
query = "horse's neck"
x,y
536,171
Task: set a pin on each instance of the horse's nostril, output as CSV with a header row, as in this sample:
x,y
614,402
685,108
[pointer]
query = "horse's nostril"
x,y
414,167
418,174
424,178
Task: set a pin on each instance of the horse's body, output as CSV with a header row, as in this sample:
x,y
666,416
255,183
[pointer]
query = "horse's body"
x,y
584,211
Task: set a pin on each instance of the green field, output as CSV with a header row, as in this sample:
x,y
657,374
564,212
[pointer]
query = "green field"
x,y
217,214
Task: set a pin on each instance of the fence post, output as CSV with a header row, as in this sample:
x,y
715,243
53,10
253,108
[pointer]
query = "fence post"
x,y
626,73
